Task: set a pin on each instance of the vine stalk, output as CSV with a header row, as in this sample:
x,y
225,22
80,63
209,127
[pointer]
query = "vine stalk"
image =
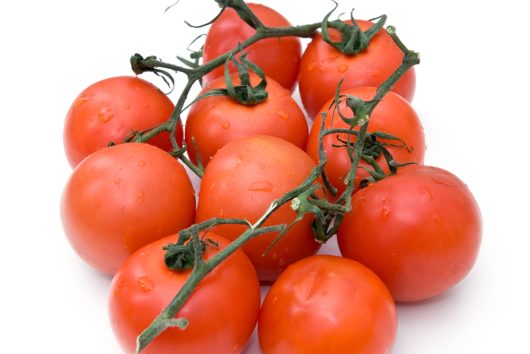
x,y
328,214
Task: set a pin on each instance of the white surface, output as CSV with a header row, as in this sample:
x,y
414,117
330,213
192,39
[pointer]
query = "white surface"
x,y
471,96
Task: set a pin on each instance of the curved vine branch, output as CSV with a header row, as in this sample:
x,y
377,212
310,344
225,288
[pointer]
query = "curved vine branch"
x,y
303,198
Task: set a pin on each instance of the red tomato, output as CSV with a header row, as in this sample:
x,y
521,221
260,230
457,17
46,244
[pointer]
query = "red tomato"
x,y
121,198
393,115
109,110
323,66
277,57
419,230
327,304
241,181
216,120
221,316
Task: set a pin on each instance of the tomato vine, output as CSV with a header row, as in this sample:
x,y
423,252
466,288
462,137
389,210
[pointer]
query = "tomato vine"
x,y
303,199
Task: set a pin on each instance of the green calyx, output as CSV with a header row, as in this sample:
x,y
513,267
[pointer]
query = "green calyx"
x,y
353,39
243,93
181,257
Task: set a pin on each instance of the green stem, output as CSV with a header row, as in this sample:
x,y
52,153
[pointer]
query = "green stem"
x,y
197,73
153,62
197,169
201,268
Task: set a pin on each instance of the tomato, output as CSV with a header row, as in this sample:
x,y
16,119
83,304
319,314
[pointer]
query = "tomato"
x,y
419,230
121,198
241,181
277,57
221,316
109,110
327,304
323,66
393,115
216,120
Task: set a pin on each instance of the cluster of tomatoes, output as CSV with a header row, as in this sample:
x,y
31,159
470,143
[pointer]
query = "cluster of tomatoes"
x,y
408,237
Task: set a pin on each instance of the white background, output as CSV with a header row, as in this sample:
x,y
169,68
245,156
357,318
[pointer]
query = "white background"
x,y
472,96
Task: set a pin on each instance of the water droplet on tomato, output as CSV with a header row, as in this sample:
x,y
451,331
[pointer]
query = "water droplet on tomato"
x,y
385,212
342,68
225,124
105,114
283,115
117,287
312,66
385,209
324,293
145,284
261,186
127,105
140,198
262,166
141,163
117,180
119,128
80,100
426,194
437,219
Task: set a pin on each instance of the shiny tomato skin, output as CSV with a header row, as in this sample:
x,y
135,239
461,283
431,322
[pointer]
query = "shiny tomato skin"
x,y
419,230
241,181
222,311
110,109
327,304
277,57
322,67
216,120
393,115
121,198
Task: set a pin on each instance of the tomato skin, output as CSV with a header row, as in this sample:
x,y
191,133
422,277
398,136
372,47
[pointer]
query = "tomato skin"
x,y
393,115
277,57
216,120
327,304
322,67
121,198
221,316
110,109
241,181
419,230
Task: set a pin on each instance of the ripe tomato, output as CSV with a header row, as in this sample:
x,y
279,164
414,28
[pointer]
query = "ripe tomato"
x,y
109,110
121,198
393,115
216,120
221,314
419,230
323,66
241,181
277,57
327,304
